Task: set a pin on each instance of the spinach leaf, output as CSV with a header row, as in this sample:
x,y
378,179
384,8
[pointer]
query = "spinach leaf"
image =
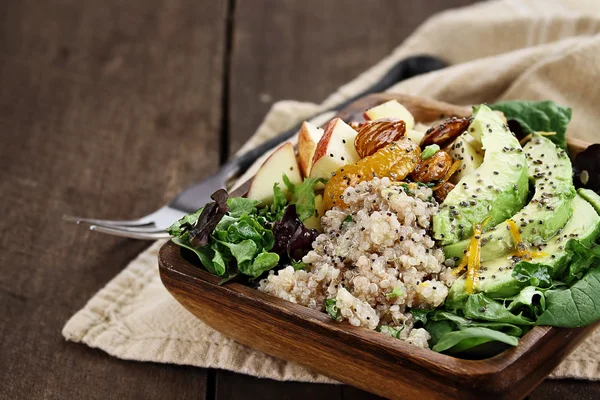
x,y
391,331
536,274
331,308
531,299
539,116
303,196
478,306
420,315
576,306
179,227
464,339
438,329
205,254
239,206
463,323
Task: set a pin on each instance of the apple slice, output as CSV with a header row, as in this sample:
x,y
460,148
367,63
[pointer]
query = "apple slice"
x,y
391,109
308,138
314,222
334,150
415,135
282,161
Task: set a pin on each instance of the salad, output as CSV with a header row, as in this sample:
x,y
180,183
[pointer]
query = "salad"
x,y
457,235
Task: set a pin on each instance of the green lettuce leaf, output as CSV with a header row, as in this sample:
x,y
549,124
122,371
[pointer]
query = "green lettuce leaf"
x,y
263,262
303,196
465,339
582,259
243,251
538,116
331,308
420,315
536,274
531,299
391,331
239,206
463,323
576,306
178,227
480,307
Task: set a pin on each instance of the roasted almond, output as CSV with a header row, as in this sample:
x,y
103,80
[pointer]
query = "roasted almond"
x,y
377,134
441,193
434,168
445,132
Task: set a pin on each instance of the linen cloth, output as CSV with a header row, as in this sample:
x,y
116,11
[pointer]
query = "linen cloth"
x,y
520,49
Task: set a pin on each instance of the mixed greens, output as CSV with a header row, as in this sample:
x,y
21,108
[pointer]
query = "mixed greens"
x,y
531,235
232,236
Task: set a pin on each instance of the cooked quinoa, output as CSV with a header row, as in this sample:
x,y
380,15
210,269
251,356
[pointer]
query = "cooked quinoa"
x,y
376,258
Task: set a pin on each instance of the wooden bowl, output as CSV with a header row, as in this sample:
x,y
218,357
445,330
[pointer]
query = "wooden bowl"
x,y
357,356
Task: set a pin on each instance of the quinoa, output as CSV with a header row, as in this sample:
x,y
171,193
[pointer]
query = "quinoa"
x,y
375,257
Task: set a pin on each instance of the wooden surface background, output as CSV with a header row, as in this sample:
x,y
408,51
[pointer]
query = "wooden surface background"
x,y
109,108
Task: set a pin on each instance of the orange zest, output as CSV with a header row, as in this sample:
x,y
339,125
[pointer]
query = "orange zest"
x,y
522,250
448,175
472,258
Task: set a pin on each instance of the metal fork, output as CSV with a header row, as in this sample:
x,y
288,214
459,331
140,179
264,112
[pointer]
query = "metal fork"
x,y
153,225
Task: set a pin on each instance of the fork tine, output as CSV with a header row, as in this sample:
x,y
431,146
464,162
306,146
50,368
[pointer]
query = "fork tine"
x,y
126,232
107,222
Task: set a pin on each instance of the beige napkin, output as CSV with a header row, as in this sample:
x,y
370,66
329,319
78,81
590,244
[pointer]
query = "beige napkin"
x,y
521,49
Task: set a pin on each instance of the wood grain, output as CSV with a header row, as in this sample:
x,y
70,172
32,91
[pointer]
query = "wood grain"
x,y
304,50
359,357
107,108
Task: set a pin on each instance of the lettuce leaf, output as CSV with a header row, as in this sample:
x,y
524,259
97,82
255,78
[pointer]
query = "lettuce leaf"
x,y
576,306
480,307
303,196
465,339
538,116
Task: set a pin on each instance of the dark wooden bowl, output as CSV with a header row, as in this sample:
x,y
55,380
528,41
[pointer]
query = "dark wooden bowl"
x,y
359,357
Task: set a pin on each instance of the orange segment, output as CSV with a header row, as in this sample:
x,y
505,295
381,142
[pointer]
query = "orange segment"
x,y
395,161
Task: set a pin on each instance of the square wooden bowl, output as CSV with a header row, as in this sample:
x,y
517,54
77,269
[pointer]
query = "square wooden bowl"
x,y
357,356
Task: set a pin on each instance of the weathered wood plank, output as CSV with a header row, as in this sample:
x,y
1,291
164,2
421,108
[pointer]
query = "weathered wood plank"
x,y
108,109
304,50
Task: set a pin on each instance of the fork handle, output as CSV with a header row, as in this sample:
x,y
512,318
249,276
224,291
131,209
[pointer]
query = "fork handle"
x,y
406,68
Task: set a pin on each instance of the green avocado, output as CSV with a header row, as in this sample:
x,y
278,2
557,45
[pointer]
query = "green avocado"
x,y
550,173
497,189
495,277
592,197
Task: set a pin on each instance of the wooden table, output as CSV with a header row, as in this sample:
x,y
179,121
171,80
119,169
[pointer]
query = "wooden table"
x,y
109,108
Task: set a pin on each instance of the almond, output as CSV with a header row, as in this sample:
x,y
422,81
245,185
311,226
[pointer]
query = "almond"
x,y
375,135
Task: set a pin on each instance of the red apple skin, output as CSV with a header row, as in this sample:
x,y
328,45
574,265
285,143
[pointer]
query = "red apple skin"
x,y
321,149
271,171
307,144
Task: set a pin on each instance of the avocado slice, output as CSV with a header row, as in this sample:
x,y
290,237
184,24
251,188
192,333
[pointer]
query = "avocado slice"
x,y
461,150
497,189
495,277
592,197
550,172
